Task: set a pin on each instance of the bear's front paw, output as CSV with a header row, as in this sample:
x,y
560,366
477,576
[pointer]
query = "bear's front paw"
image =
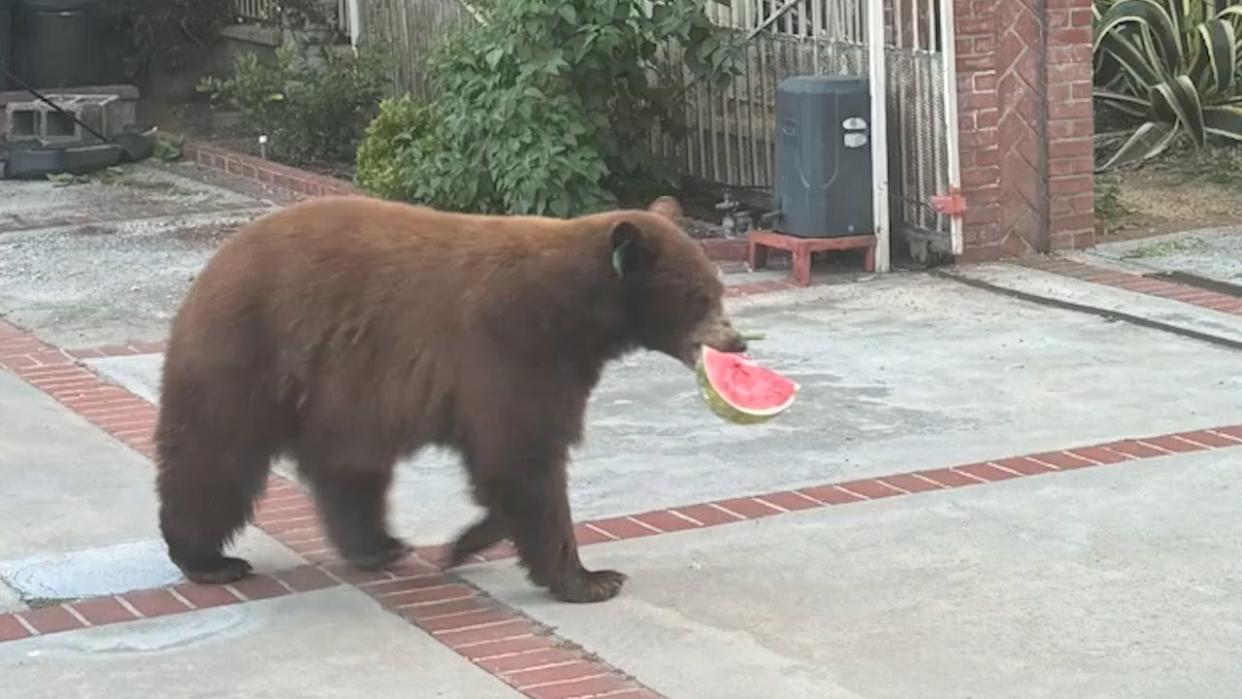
x,y
219,571
590,586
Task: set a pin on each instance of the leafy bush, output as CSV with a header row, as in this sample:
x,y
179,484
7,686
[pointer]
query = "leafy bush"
x,y
1172,64
548,107
401,124
309,113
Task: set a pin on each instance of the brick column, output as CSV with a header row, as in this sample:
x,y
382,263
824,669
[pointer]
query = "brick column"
x,y
1025,120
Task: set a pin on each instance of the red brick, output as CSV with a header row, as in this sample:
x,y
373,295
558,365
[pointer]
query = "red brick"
x,y
580,688
1068,167
1069,128
155,603
1132,448
1070,35
707,515
665,521
413,566
499,552
910,483
830,495
529,660
389,587
1073,184
206,596
309,541
1230,431
514,628
869,488
1100,454
749,508
427,596
103,610
11,629
306,579
987,472
623,527
354,576
790,500
441,609
300,513
1173,444
585,535
52,619
1024,466
289,524
257,587
949,478
508,646
1209,439
1061,459
486,618
575,670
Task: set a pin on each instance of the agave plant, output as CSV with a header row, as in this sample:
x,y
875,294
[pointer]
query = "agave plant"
x,y
1173,63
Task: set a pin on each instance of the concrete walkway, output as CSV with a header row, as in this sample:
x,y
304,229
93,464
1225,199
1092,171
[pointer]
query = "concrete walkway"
x,y
1057,540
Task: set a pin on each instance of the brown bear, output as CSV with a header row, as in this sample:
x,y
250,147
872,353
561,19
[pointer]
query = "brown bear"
x,y
348,333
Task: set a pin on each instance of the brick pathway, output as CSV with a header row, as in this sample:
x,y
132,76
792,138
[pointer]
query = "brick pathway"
x,y
503,641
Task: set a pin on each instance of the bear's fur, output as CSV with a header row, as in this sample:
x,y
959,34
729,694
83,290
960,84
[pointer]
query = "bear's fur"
x,y
349,332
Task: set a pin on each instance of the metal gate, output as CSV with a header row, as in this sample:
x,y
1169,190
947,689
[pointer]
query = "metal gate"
x,y
905,46
731,130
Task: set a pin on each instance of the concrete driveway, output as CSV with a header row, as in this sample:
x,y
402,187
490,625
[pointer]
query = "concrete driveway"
x,y
977,495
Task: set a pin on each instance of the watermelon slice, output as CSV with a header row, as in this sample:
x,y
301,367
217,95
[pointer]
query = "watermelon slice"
x,y
739,390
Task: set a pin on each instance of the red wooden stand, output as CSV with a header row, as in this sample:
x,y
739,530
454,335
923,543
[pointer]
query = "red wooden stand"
x,y
801,248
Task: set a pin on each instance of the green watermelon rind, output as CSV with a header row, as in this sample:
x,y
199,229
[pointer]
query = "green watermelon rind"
x,y
726,410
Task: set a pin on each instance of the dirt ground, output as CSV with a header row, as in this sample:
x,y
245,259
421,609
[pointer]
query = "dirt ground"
x,y
1183,191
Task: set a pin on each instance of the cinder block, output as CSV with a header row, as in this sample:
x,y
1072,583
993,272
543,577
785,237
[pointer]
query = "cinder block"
x,y
34,120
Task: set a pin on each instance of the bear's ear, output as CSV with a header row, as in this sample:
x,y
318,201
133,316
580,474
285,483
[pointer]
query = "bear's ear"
x,y
629,249
666,206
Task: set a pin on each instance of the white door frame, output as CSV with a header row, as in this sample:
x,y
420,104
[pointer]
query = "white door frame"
x,y
948,54
877,65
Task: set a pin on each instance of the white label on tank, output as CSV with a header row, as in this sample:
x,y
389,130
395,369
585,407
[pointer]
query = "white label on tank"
x,y
855,140
855,124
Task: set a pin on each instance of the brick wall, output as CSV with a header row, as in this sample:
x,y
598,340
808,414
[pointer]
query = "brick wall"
x,y
1025,119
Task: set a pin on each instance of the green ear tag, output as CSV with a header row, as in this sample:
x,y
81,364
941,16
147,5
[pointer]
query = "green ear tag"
x,y
618,258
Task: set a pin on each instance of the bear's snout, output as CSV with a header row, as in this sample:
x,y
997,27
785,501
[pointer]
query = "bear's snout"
x,y
716,332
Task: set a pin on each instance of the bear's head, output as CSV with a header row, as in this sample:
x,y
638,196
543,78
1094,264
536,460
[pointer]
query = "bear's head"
x,y
671,292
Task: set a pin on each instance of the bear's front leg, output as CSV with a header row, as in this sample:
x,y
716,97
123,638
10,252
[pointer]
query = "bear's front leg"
x,y
535,502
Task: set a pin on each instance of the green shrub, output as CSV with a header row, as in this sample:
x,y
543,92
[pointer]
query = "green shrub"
x,y
384,156
1172,66
308,113
546,108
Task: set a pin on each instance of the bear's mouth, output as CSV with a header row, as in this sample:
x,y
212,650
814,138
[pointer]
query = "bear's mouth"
x,y
690,357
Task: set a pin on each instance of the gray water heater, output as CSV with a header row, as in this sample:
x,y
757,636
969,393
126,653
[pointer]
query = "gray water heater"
x,y
823,157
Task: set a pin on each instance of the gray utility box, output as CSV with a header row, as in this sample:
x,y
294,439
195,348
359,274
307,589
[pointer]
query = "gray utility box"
x,y
823,157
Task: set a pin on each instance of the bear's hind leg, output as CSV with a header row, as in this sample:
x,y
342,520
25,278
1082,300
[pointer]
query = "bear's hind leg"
x,y
353,508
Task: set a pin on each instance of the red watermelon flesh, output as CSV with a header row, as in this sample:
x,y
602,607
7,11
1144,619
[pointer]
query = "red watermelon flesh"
x,y
740,390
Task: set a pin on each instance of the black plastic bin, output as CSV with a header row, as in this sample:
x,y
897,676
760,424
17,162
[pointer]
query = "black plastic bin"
x,y
6,41
59,42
